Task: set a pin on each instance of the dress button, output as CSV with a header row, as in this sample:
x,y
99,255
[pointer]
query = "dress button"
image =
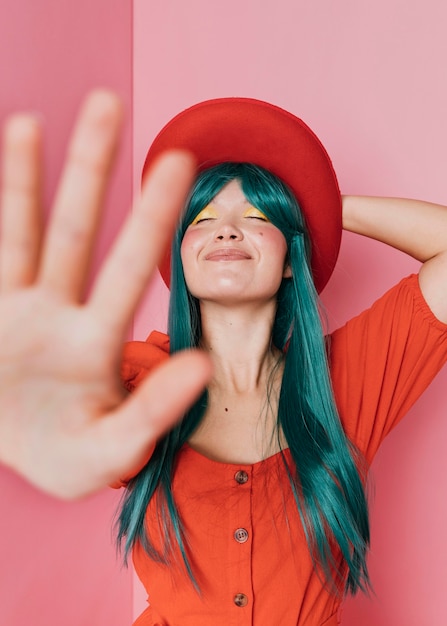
x,y
241,535
241,477
240,599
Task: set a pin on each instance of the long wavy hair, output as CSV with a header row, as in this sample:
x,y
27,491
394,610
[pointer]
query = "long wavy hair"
x,y
328,480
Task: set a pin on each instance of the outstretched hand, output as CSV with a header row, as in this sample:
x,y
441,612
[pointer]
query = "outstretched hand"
x,y
65,422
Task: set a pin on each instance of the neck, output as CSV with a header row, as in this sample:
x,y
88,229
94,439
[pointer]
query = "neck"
x,y
238,340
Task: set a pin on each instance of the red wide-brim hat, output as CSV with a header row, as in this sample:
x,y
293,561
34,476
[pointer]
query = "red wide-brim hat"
x,y
252,131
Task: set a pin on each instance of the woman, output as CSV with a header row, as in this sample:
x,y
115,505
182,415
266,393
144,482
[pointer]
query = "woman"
x,y
256,500
282,547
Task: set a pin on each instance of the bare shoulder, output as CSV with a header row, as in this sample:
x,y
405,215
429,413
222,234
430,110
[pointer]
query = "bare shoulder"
x,y
433,283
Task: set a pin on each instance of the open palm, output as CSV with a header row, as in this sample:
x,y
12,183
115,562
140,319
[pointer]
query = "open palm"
x,y
65,422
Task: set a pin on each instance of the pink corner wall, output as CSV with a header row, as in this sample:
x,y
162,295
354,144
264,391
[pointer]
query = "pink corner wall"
x,y
57,560
369,78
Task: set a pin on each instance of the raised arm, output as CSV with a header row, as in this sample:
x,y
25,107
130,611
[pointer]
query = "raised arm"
x,y
415,227
66,423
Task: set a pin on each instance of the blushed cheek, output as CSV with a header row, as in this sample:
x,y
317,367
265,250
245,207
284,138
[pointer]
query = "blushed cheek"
x,y
184,254
191,239
188,255
187,247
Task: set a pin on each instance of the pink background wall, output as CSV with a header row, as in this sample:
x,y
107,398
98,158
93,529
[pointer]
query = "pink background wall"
x,y
57,560
369,78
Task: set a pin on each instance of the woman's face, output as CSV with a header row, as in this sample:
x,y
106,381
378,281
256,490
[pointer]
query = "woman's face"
x,y
231,253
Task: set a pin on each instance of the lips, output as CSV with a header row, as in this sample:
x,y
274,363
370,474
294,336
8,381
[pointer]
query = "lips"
x,y
227,254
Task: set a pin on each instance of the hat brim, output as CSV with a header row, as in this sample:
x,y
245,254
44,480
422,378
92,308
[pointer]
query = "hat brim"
x,y
252,131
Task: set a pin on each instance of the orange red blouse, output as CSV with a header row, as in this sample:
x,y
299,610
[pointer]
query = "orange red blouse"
x,y
245,539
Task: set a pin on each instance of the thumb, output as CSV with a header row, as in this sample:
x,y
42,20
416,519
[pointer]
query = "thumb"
x,y
128,435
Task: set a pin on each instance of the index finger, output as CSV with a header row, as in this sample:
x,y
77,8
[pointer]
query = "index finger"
x,y
143,240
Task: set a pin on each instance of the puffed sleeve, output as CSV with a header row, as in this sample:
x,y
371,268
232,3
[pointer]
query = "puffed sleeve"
x,y
139,358
382,360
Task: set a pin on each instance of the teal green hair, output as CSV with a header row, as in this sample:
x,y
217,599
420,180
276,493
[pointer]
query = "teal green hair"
x,y
328,482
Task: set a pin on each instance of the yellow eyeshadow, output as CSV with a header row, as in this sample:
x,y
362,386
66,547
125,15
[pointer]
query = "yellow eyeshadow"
x,y
207,213
254,212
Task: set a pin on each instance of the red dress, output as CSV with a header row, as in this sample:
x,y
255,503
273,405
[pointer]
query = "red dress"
x,y
244,534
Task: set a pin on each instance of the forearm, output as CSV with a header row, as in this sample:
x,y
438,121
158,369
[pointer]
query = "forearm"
x,y
417,228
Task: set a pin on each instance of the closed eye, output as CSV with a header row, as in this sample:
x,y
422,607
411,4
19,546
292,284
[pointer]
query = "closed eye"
x,y
205,214
257,217
203,219
254,213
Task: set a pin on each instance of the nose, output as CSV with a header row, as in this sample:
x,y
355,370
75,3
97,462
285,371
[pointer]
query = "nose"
x,y
228,232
